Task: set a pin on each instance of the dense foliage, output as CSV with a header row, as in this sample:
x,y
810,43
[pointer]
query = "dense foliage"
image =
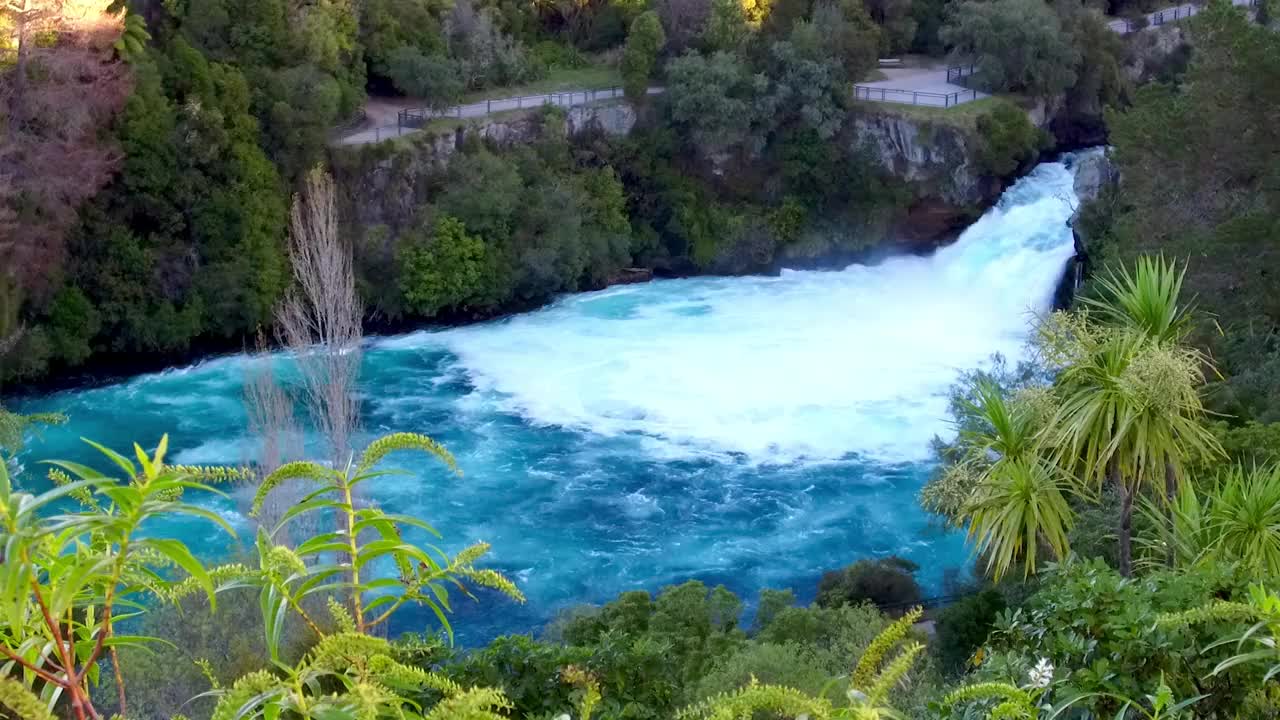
x,y
1127,537
1213,199
164,233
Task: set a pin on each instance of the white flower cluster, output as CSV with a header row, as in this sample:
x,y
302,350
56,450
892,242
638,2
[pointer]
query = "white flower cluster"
x,y
1041,675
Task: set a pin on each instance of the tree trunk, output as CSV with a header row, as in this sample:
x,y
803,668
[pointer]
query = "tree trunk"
x,y
1126,530
1170,494
17,113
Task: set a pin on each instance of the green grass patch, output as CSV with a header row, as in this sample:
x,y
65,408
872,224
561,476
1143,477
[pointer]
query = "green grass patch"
x,y
595,77
964,115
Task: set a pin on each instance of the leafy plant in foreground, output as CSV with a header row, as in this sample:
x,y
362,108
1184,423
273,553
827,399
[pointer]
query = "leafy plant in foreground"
x,y
70,577
354,561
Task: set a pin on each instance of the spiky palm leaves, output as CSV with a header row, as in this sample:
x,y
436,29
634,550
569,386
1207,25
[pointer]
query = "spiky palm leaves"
x,y
1130,407
1236,520
1015,502
1146,301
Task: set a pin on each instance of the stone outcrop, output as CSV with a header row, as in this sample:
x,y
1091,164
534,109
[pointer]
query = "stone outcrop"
x,y
937,157
1155,52
384,184
1094,171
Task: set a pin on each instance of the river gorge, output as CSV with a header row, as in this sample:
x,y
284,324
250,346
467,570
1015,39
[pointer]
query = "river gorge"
x,y
750,431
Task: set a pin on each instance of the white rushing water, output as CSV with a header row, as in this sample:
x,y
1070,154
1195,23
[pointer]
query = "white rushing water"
x,y
648,434
810,365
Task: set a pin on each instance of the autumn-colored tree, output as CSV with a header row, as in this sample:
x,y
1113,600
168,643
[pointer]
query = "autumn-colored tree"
x,y
60,81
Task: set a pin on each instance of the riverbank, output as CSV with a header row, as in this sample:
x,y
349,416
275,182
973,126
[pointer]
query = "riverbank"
x,y
107,369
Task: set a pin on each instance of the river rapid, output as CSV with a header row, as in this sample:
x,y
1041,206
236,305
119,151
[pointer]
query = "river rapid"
x,y
750,431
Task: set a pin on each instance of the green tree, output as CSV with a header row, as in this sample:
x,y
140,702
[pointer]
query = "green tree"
x,y
727,27
1130,410
1017,45
716,99
434,78
889,583
1215,201
1008,140
451,269
644,42
1011,494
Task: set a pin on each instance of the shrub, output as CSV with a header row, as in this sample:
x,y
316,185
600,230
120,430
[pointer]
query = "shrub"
x,y
963,626
1008,140
887,583
435,78
451,270
551,55
790,664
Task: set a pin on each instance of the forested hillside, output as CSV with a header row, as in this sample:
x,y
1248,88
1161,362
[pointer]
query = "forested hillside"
x,y
167,186
152,151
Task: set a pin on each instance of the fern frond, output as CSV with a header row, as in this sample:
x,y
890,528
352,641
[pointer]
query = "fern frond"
x,y
301,470
220,575
893,673
988,691
467,556
343,651
394,442
864,673
215,474
206,669
282,562
242,692
474,704
341,616
745,702
1011,710
20,701
493,580
83,495
1217,611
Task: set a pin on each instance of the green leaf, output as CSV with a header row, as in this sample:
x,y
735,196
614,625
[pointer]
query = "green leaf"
x,y
131,472
181,556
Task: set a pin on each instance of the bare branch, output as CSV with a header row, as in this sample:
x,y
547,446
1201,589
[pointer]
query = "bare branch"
x,y
320,319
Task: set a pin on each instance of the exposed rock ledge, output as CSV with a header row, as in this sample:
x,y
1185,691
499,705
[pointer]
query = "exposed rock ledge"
x,y
385,183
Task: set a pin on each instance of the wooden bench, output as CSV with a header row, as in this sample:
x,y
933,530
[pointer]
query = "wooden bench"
x,y
890,62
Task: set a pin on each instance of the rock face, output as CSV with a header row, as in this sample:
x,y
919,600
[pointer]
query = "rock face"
x,y
938,160
383,184
1094,171
936,157
1155,51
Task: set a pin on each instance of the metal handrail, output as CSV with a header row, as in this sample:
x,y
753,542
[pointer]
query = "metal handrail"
x,y
417,117
862,92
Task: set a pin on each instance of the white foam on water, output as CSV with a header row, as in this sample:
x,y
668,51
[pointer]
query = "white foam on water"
x,y
806,366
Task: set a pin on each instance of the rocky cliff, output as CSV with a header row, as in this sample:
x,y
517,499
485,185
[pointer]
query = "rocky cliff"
x,y
384,183
934,151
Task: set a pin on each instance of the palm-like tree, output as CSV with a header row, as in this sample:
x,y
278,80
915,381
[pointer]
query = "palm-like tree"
x,y
1131,407
1020,506
1019,501
1148,302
